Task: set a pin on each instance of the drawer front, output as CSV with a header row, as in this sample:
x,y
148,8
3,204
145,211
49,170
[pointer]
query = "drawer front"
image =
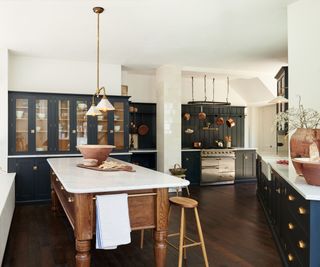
x,y
297,239
298,207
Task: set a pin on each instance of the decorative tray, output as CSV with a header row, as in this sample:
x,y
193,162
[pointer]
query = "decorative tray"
x,y
126,168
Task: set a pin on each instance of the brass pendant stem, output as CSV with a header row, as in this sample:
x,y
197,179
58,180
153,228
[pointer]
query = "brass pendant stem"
x,y
98,49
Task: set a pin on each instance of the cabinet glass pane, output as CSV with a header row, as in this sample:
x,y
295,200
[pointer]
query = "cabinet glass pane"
x,y
64,125
22,125
102,125
82,137
119,125
41,125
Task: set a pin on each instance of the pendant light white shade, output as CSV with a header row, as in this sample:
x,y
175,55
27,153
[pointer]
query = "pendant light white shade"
x,y
279,100
105,105
93,111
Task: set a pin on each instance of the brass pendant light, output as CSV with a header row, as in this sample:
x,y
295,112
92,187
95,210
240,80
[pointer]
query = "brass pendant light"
x,y
104,104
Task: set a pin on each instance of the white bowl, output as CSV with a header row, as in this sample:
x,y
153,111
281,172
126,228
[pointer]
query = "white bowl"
x,y
82,106
117,128
41,115
19,114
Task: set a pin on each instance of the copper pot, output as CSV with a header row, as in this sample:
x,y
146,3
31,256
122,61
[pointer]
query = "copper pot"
x,y
219,121
197,144
230,122
202,116
186,116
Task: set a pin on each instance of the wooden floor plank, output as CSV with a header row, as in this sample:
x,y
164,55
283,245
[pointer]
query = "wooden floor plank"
x,y
234,226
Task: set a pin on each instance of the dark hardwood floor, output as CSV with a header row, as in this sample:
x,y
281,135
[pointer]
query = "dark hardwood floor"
x,y
234,226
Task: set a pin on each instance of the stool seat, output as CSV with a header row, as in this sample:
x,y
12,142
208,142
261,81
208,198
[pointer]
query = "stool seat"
x,y
183,202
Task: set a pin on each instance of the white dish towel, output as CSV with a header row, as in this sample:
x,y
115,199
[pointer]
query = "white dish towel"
x,y
112,221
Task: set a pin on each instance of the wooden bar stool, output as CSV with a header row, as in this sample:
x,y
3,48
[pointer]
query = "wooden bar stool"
x,y
187,203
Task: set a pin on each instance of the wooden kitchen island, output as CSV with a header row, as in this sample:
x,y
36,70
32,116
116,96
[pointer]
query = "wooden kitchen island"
x,y
75,189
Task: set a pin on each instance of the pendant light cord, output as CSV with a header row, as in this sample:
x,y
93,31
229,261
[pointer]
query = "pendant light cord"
x,y
213,80
98,51
205,88
227,99
192,90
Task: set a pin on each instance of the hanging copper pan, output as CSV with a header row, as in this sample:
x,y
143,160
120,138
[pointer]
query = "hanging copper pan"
x,y
230,122
143,129
219,121
202,116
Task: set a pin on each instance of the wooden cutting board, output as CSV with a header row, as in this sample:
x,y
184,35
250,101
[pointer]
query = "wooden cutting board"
x,y
126,168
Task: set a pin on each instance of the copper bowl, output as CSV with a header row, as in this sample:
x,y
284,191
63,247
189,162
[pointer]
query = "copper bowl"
x,y
98,152
310,170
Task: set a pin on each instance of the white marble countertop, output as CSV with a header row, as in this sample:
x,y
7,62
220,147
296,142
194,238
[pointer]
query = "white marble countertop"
x,y
288,173
6,181
143,151
231,149
60,155
79,180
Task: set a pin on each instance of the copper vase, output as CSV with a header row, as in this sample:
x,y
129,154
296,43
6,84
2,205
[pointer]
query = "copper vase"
x,y
299,145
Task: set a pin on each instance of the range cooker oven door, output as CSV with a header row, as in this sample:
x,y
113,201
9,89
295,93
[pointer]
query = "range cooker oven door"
x,y
217,170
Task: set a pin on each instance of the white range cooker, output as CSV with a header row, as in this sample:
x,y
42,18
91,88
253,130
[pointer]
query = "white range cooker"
x,y
217,166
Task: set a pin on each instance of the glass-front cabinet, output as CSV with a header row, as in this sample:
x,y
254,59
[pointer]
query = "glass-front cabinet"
x,y
56,124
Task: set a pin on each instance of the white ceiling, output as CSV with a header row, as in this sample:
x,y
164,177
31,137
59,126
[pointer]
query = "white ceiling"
x,y
230,34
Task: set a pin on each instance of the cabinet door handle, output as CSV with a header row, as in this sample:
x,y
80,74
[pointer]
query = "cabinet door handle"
x,y
278,190
290,257
187,159
57,180
301,244
35,168
32,131
245,157
74,131
290,226
111,131
302,210
291,198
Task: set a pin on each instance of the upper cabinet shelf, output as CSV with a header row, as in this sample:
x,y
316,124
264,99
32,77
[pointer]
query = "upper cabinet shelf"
x,y
52,123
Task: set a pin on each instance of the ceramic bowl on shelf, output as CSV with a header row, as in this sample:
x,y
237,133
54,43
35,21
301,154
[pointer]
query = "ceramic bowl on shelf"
x,y
19,114
38,128
117,128
310,169
82,106
98,152
41,116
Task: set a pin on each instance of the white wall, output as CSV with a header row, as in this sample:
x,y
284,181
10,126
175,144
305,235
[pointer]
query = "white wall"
x,y
304,52
141,86
4,57
61,76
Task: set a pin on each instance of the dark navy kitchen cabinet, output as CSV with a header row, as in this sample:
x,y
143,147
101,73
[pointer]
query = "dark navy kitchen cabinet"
x,y
245,165
191,161
145,159
32,179
56,123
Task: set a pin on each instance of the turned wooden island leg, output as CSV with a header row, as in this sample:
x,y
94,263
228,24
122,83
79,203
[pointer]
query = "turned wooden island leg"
x,y
83,229
161,231
83,256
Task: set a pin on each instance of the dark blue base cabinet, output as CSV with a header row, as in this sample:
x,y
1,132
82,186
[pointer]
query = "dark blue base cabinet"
x,y
293,220
191,160
32,179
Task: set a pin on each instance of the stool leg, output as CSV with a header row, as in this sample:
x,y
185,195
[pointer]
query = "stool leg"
x,y
182,222
187,187
142,238
177,191
184,239
169,213
201,238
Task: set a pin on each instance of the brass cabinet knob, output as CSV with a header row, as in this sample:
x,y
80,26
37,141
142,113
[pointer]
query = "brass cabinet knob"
x,y
291,198
32,131
70,199
290,257
301,244
35,168
74,131
278,190
111,131
265,188
290,226
57,180
302,210
53,173
61,187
